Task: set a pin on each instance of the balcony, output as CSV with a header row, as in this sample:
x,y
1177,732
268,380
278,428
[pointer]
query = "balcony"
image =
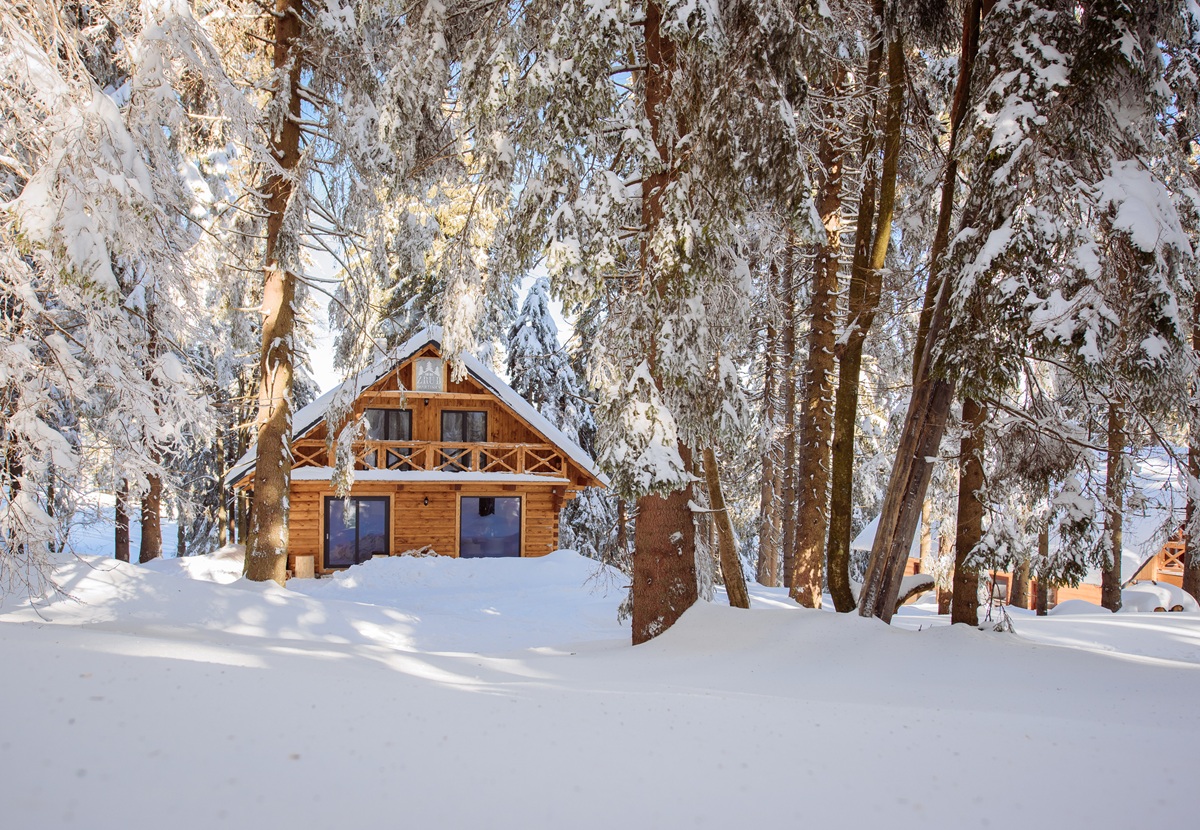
x,y
441,456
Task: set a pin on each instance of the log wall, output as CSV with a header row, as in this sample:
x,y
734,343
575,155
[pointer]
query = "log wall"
x,y
416,524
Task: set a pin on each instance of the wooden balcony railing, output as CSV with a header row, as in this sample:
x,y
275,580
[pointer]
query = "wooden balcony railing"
x,y
443,456
1172,558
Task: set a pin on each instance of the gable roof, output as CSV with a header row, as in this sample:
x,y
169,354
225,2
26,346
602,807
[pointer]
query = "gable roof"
x,y
309,417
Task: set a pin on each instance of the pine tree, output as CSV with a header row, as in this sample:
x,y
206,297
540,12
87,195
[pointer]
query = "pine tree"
x,y
1047,246
98,228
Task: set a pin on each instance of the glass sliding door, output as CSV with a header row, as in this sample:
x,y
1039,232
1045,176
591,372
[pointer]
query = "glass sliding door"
x,y
489,526
356,529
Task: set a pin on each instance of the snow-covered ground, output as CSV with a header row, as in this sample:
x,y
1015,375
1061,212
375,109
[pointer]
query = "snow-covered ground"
x,y
503,694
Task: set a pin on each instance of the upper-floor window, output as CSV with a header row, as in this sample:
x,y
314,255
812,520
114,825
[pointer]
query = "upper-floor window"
x,y
464,427
389,424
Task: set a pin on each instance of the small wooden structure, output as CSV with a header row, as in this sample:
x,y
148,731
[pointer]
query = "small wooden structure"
x,y
466,467
1165,565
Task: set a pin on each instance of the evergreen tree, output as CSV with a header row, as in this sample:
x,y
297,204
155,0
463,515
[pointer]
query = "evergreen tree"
x,y
540,371
99,240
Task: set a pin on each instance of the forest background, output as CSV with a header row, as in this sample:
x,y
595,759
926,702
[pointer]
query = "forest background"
x,y
823,261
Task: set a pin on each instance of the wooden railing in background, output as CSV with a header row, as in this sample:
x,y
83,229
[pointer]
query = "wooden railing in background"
x,y
1172,558
443,456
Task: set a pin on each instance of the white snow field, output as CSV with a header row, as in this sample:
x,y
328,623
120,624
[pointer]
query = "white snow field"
x,y
442,693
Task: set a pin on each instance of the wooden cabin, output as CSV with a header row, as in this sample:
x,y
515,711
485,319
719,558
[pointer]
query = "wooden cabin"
x,y
457,467
1166,565
1163,565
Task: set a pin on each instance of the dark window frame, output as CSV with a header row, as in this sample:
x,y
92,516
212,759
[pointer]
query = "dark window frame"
x,y
388,421
461,453
464,412
387,528
520,499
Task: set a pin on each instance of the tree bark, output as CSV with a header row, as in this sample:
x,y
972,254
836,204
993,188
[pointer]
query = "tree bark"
x,y
788,506
767,568
243,504
1114,494
151,519
816,413
1019,595
222,489
121,531
945,596
925,546
731,563
929,405
151,544
964,606
866,285
1191,550
266,553
1043,584
622,531
180,529
664,559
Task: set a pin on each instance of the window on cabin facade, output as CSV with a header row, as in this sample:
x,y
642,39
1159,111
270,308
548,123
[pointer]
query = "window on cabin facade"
x,y
356,529
489,526
388,425
463,427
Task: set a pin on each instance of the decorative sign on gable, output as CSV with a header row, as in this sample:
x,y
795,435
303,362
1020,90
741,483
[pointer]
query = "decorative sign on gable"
x,y
428,374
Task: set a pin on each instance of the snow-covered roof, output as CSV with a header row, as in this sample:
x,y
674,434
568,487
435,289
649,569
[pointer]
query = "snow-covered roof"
x,y
308,417
866,538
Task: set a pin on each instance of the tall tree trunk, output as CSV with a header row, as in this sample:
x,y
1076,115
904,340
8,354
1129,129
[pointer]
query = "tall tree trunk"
x,y
1019,595
816,412
866,285
731,563
121,531
1114,494
767,568
929,405
243,503
945,596
180,529
151,520
664,559
1191,551
151,545
622,531
964,606
788,505
925,546
1043,584
266,553
222,489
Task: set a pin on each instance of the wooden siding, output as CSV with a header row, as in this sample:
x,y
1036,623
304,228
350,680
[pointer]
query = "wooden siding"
x,y
416,524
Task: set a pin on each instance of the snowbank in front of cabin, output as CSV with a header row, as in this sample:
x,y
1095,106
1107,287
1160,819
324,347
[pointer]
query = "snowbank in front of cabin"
x,y
503,693
1152,596
488,604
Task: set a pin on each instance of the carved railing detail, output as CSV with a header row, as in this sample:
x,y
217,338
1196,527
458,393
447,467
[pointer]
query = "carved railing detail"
x,y
441,456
